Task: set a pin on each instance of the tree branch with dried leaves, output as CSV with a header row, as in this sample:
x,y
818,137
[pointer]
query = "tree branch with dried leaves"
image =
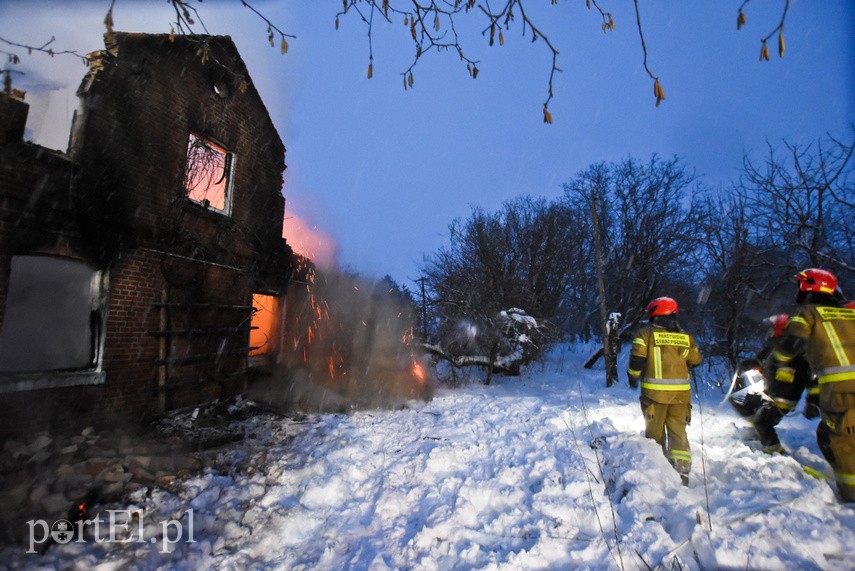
x,y
741,20
45,48
432,25
658,92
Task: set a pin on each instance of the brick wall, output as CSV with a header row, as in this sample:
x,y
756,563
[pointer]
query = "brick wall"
x,y
130,349
36,206
117,201
141,147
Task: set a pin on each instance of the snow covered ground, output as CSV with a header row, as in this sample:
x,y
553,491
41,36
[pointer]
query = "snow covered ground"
x,y
547,471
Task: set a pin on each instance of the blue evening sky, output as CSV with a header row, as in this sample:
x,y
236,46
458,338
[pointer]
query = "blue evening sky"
x,y
382,172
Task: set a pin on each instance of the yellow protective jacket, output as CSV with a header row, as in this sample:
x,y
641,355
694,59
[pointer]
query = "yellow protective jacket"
x,y
661,359
826,336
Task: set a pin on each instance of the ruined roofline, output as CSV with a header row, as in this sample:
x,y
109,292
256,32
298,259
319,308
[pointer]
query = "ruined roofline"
x,y
13,117
112,50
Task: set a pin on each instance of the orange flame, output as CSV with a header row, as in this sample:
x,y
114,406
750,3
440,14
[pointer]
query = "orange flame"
x,y
263,335
310,242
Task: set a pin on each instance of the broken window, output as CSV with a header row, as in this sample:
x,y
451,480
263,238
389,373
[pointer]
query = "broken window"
x,y
264,331
54,315
208,177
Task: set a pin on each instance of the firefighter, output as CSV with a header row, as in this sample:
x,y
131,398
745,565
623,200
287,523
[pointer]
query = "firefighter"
x,y
783,387
660,360
823,331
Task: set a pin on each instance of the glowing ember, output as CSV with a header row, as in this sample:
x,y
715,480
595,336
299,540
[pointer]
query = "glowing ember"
x,y
419,372
347,339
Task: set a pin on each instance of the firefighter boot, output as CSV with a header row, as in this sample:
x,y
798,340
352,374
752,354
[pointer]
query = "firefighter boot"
x,y
764,423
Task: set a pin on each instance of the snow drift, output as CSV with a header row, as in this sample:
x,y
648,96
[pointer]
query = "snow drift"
x,y
547,471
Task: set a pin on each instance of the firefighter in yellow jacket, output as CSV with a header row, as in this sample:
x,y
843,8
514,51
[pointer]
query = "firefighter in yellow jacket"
x,y
783,390
823,331
660,360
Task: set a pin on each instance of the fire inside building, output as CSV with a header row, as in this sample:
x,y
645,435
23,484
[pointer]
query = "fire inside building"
x,y
144,270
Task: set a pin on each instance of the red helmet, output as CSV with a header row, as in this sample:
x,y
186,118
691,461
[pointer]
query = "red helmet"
x,y
816,280
778,323
662,306
849,304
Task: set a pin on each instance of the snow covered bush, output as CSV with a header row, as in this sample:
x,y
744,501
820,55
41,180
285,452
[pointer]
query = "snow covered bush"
x,y
500,344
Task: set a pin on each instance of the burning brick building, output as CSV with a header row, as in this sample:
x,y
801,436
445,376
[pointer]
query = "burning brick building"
x,y
144,270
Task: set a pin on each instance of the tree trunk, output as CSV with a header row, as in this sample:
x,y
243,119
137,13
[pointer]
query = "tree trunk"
x,y
611,364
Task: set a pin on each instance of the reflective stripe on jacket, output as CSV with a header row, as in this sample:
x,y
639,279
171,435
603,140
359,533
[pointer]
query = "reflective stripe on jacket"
x,y
829,344
667,356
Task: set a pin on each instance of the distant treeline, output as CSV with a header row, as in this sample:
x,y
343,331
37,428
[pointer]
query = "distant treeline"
x,y
725,254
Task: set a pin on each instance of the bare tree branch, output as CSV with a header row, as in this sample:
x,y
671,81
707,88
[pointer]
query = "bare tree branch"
x,y
658,92
432,24
44,48
779,29
608,21
805,203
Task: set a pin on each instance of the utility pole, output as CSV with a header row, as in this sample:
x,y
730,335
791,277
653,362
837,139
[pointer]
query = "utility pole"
x,y
609,357
424,310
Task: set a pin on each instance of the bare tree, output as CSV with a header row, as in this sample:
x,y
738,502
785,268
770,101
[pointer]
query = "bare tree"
x,y
647,226
804,199
515,259
578,254
588,191
738,272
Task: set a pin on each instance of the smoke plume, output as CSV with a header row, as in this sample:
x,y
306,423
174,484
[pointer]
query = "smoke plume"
x,y
348,345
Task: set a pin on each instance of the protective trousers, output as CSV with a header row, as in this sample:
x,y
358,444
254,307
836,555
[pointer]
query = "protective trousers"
x,y
835,436
666,424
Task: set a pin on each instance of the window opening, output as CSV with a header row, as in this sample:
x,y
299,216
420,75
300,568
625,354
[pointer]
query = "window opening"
x,y
53,317
264,326
208,178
